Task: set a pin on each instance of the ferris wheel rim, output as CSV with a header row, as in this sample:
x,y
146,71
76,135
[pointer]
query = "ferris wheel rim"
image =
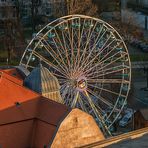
x,y
72,17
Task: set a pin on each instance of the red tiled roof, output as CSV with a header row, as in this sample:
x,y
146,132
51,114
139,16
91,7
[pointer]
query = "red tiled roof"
x,y
13,72
26,118
12,91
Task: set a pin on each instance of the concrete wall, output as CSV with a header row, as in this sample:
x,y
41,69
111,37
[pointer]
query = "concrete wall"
x,y
77,129
16,134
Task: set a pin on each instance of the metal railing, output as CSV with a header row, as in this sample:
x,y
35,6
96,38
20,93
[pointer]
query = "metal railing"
x,y
119,138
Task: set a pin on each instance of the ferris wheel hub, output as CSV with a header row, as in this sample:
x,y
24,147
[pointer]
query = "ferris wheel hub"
x,y
81,83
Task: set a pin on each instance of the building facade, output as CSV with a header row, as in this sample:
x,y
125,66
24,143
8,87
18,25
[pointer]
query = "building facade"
x,y
43,8
7,9
135,11
141,119
27,8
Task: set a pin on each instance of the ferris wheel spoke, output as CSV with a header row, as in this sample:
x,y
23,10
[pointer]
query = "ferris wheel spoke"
x,y
97,114
111,72
107,90
93,106
107,81
104,71
72,41
96,105
96,56
27,66
114,56
65,92
107,54
71,48
79,43
97,39
63,86
99,53
82,105
61,81
67,49
101,48
49,63
75,100
57,59
115,106
109,104
90,32
59,76
118,114
113,61
90,52
58,55
81,32
70,96
63,47
109,60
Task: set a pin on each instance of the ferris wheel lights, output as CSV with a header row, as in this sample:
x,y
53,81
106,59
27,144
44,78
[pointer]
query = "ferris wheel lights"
x,y
104,29
27,57
29,49
91,25
33,58
88,24
113,37
63,27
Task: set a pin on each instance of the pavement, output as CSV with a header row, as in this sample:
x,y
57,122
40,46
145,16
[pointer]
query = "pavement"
x,y
138,97
140,142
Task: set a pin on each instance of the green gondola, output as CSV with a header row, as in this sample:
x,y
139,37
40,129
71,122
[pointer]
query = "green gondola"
x,y
76,25
51,35
119,49
63,27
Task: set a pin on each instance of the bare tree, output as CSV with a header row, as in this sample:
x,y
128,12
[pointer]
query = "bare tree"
x,y
126,26
60,9
13,32
86,7
34,12
9,40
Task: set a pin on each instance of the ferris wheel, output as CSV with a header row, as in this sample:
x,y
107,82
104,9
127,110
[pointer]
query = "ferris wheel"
x,y
90,61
